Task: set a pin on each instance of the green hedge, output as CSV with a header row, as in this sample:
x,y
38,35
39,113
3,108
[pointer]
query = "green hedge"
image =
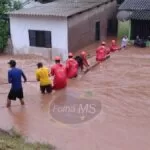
x,y
124,29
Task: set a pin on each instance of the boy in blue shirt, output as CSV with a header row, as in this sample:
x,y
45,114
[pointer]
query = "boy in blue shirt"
x,y
14,78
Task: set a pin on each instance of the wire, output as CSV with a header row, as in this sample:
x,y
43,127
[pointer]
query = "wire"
x,y
3,93
22,82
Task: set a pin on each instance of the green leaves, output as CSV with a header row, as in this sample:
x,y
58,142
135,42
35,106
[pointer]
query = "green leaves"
x,y
17,5
4,8
3,34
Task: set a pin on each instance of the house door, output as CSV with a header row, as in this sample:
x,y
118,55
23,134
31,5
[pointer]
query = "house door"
x,y
97,31
141,28
112,26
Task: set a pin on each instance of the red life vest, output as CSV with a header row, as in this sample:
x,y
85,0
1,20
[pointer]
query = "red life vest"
x,y
100,54
107,50
60,76
114,47
72,68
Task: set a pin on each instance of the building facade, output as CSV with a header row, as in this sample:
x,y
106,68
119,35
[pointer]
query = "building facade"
x,y
134,19
90,26
39,35
59,27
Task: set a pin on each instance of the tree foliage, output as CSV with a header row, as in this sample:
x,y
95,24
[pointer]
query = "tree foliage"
x,y
17,5
3,34
4,7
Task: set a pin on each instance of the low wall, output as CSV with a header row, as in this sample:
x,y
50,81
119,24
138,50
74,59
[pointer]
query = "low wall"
x,y
48,53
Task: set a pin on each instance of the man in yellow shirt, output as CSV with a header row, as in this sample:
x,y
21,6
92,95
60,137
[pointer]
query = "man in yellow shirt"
x,y
42,75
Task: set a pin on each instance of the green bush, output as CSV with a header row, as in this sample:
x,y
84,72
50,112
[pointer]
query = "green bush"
x,y
3,35
17,5
4,7
124,29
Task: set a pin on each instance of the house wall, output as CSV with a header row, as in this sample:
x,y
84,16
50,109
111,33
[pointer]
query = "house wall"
x,y
81,27
20,37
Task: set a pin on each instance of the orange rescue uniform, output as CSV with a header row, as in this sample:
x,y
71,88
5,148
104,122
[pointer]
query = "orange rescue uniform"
x,y
60,76
72,68
100,53
113,47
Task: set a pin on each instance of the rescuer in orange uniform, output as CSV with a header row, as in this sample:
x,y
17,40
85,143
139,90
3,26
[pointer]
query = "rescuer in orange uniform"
x,y
100,53
107,49
60,74
71,66
84,60
113,46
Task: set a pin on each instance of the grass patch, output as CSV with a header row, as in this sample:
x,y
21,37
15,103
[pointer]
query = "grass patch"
x,y
13,141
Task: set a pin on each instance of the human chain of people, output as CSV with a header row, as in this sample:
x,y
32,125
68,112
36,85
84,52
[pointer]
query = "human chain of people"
x,y
59,72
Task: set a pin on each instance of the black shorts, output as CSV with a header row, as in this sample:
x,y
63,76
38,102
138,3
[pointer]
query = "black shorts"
x,y
13,94
47,88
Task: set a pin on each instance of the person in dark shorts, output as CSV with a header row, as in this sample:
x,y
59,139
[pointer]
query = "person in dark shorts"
x,y
14,78
42,75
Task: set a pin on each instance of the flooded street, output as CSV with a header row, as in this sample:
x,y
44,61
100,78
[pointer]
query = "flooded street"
x,y
122,86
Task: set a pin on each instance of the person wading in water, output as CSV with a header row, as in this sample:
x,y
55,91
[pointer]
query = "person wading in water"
x,y
60,74
71,66
42,75
14,78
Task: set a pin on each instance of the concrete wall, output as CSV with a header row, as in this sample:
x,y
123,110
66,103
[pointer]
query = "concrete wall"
x,y
81,27
57,26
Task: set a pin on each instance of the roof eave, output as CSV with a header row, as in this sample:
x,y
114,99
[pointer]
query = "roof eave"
x,y
129,9
65,16
36,15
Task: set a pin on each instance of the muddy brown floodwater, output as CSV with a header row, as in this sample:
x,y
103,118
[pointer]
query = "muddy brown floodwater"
x,y
121,85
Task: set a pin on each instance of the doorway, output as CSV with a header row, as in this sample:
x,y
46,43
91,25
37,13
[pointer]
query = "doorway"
x,y
140,28
97,31
112,25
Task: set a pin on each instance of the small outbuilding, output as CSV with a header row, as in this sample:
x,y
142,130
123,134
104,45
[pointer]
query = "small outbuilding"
x,y
61,26
134,19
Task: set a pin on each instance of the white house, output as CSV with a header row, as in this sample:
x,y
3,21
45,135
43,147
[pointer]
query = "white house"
x,y
58,27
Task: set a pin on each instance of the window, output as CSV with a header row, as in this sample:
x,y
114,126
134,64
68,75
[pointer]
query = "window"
x,y
97,31
40,38
44,1
120,1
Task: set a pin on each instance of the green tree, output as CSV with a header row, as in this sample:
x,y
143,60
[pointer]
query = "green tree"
x,y
17,5
4,7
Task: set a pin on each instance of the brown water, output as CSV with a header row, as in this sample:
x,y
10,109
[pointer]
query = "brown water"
x,y
122,86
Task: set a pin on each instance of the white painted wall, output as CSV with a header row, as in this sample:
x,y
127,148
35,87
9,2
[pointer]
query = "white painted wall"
x,y
20,38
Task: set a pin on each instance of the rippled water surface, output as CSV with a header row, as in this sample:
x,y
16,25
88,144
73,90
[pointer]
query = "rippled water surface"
x,y
121,84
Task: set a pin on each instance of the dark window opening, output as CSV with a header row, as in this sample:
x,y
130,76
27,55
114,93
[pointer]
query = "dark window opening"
x,y
140,28
40,38
112,25
44,1
97,31
120,1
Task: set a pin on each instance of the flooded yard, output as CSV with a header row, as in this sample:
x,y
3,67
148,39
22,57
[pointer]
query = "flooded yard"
x,y
121,84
